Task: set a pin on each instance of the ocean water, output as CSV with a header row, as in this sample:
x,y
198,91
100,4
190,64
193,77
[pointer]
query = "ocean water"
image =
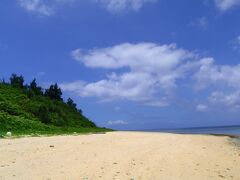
x,y
218,130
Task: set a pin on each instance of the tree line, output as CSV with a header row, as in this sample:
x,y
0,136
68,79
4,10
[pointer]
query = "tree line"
x,y
54,92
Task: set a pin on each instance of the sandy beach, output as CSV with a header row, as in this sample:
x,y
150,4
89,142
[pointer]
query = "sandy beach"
x,y
120,155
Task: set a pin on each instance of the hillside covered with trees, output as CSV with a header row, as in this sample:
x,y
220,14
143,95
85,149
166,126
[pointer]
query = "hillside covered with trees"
x,y
29,109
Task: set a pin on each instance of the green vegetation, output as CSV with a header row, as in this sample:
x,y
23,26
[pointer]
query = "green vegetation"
x,y
29,110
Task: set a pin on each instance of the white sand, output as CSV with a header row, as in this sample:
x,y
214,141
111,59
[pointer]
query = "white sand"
x,y
120,155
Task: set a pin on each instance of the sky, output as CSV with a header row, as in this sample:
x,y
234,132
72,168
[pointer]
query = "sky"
x,y
130,64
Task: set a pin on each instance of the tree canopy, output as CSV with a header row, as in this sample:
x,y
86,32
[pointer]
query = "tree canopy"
x,y
17,81
54,92
37,90
71,103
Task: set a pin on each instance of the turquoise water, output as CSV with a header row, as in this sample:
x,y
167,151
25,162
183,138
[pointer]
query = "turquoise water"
x,y
226,130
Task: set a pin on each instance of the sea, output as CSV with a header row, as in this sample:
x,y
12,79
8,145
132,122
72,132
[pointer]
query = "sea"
x,y
216,130
233,131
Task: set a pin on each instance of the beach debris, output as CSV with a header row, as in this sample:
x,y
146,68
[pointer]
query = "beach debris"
x,y
8,134
221,176
51,146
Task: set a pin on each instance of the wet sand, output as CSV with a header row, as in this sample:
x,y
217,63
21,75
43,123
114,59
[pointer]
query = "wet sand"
x,y
120,155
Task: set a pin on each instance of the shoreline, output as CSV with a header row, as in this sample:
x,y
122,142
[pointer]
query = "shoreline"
x,y
235,139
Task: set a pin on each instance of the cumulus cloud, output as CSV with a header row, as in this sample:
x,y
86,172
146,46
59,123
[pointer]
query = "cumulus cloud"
x,y
117,122
143,57
219,75
224,5
230,100
223,80
117,6
153,74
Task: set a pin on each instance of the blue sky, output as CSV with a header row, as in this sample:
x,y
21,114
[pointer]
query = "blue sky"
x,y
130,64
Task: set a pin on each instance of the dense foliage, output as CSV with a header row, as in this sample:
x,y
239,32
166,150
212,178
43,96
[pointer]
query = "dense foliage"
x,y
28,109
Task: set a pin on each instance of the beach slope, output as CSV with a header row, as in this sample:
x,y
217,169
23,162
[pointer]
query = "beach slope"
x,y
120,155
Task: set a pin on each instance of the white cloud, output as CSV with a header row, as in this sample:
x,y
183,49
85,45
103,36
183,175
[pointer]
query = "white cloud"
x,y
117,122
153,75
141,57
43,7
129,86
202,108
224,5
37,6
223,80
219,75
117,6
153,71
229,100
49,7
